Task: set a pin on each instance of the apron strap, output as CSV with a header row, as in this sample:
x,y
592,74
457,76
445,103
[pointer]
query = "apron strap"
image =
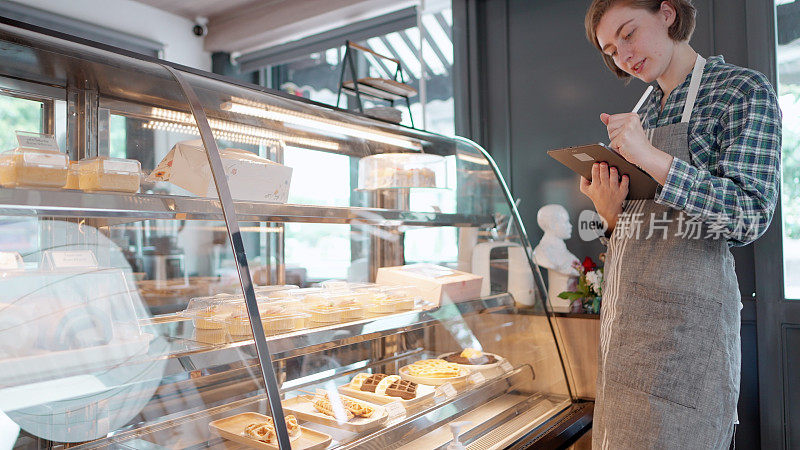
x,y
694,87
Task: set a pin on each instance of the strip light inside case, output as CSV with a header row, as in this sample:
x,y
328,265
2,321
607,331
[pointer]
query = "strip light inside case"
x,y
184,123
316,124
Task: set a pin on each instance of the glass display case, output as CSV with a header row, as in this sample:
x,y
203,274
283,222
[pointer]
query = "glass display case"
x,y
184,258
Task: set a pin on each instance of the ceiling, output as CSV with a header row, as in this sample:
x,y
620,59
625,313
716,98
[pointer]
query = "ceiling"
x,y
203,8
237,26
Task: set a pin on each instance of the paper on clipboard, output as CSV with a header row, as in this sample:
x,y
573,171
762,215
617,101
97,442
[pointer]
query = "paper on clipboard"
x,y
580,160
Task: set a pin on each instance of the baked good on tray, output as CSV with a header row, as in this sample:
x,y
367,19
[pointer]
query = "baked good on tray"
x,y
352,408
264,431
470,356
404,389
434,368
382,384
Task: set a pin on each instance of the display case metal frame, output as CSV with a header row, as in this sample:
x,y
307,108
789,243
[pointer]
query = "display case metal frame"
x,y
119,209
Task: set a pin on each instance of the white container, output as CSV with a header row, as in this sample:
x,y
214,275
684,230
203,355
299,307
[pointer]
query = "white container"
x,y
433,283
249,176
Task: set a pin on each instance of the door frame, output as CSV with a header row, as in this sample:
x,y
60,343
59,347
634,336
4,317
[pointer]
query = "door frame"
x,y
775,314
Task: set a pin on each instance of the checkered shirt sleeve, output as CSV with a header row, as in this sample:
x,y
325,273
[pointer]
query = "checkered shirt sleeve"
x,y
740,190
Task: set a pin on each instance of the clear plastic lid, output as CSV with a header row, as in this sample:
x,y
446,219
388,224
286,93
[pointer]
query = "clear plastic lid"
x,y
341,285
28,167
216,308
106,165
33,157
402,170
270,291
397,292
109,174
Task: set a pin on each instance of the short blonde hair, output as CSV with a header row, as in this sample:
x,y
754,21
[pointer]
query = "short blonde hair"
x,y
680,30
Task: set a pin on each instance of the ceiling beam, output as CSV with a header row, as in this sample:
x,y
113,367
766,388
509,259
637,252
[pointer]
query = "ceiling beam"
x,y
267,24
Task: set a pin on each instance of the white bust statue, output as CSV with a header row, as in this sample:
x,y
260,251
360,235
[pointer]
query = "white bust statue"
x,y
552,253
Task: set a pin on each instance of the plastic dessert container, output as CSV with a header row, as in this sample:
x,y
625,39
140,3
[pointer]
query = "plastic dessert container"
x,y
402,170
72,175
28,167
109,174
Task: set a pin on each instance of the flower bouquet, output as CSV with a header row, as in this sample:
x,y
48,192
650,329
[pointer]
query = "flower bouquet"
x,y
589,291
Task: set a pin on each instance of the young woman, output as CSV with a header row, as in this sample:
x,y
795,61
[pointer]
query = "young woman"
x,y
710,134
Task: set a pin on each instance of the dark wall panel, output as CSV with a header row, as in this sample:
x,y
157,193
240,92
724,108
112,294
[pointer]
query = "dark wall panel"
x,y
748,435
791,391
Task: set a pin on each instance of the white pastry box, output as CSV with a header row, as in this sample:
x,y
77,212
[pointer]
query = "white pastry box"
x,y
435,284
250,177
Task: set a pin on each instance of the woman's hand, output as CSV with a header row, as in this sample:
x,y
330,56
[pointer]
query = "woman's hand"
x,y
629,140
606,191
628,137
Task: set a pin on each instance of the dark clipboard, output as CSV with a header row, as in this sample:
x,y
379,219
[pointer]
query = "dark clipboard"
x,y
580,160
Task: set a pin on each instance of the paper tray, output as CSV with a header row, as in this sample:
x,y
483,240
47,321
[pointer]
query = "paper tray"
x,y
424,393
232,428
302,408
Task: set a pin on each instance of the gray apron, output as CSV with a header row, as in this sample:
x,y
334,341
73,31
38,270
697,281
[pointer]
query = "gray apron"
x,y
669,327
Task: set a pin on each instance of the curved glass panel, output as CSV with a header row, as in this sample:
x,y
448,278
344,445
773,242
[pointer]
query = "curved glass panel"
x,y
394,291
115,268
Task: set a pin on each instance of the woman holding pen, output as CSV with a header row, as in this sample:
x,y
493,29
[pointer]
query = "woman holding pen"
x,y
710,135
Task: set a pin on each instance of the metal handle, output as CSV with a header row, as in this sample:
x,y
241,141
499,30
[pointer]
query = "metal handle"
x,y
235,236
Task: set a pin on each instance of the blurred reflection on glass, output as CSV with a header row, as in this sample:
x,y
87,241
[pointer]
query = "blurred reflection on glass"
x,y
75,363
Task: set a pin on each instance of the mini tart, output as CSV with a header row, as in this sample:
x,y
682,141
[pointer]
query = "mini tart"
x,y
209,319
279,323
325,314
238,326
351,312
210,336
404,304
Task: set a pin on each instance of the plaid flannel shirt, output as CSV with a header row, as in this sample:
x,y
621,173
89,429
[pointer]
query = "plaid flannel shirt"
x,y
731,182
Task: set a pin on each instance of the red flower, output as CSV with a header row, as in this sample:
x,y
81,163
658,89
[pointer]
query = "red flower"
x,y
588,265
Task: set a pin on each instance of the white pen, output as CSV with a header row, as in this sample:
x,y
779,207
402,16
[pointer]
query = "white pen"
x,y
641,100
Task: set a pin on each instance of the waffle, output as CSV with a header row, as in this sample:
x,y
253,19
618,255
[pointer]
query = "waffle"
x,y
358,381
371,382
380,389
352,408
402,388
292,426
264,431
323,405
434,368
358,409
261,431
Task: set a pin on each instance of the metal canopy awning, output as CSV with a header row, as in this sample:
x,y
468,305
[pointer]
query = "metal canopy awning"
x,y
394,35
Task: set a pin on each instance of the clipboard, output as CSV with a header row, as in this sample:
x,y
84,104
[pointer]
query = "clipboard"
x,y
580,159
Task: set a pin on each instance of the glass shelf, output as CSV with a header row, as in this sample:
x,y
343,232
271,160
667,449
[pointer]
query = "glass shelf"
x,y
70,203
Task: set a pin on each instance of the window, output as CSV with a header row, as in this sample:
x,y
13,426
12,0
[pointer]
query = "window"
x,y
426,55
322,179
788,54
18,114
